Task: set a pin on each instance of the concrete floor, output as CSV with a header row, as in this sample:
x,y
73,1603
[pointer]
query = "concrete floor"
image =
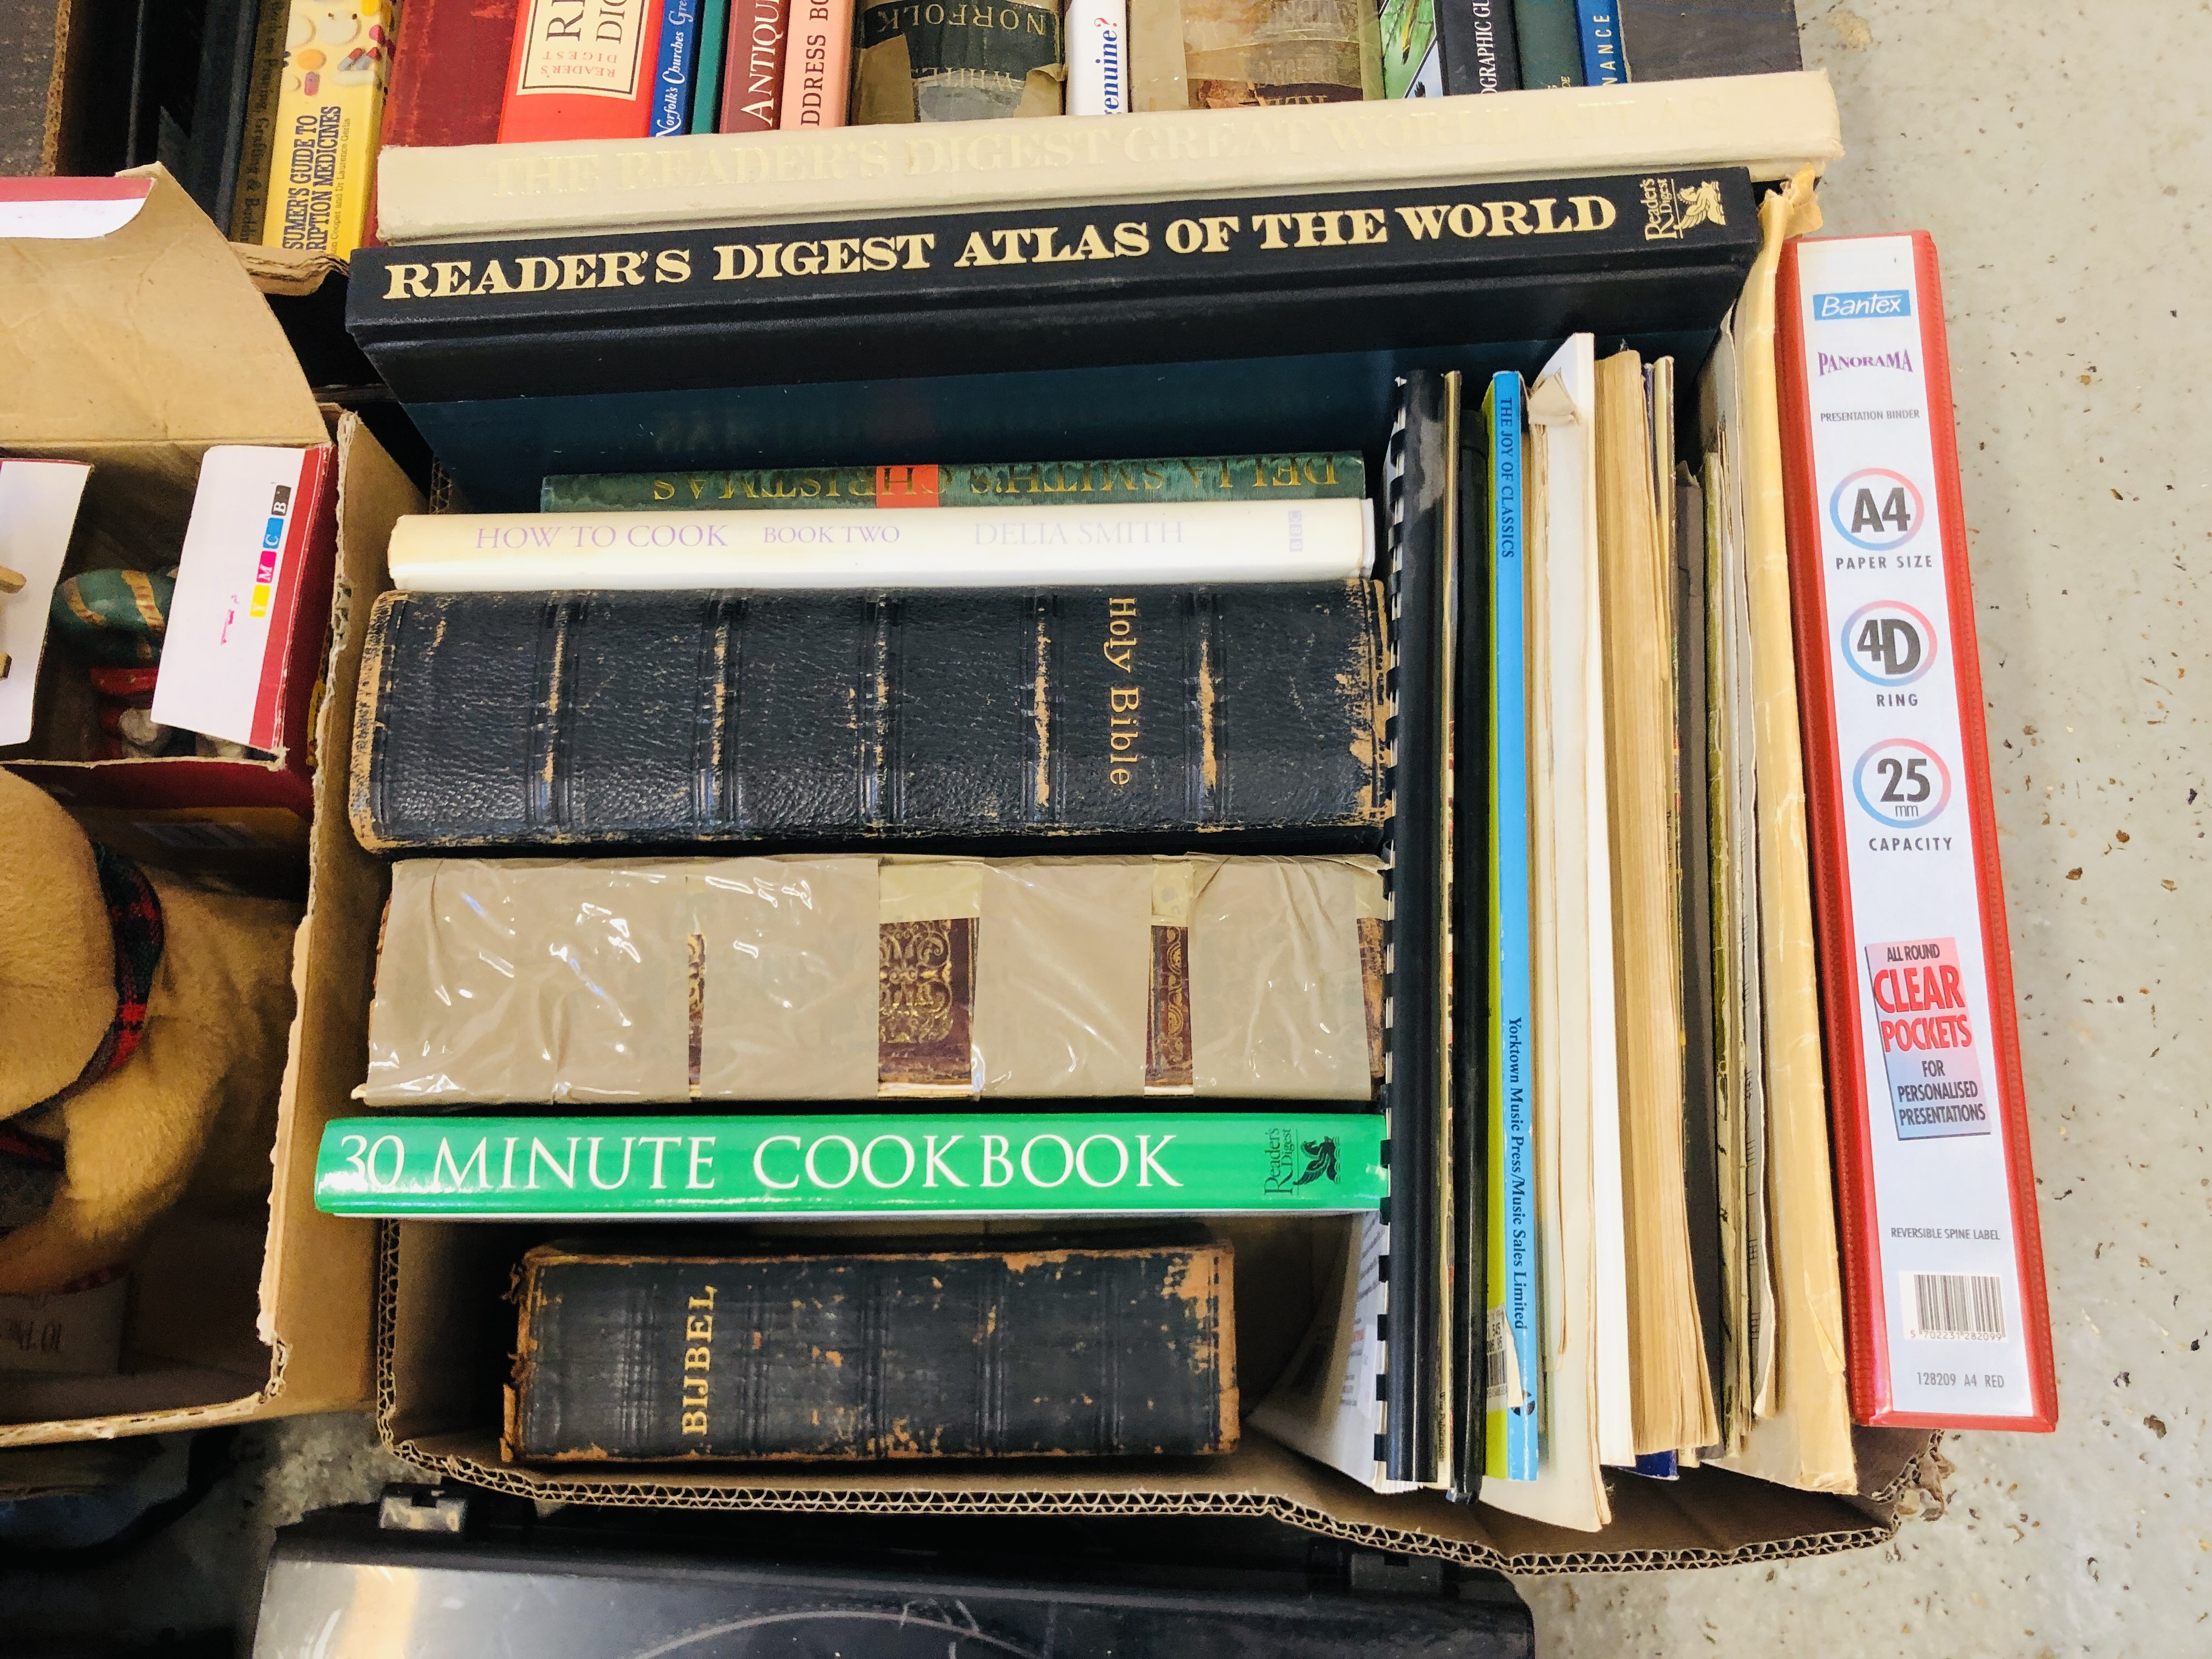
x,y
2057,153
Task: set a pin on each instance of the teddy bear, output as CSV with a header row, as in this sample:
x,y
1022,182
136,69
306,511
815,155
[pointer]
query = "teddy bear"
x,y
142,1029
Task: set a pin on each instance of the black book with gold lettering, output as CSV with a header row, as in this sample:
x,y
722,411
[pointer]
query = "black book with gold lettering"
x,y
1250,714
629,1356
970,292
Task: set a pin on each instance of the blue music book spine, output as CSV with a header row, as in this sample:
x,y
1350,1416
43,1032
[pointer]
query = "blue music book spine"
x,y
1514,1386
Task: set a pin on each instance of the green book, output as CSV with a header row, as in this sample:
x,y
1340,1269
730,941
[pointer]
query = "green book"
x,y
706,79
1023,483
963,1163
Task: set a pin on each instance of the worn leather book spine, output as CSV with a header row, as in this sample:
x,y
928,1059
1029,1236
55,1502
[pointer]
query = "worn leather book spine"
x,y
1047,1353
1032,484
627,719
449,72
752,72
561,88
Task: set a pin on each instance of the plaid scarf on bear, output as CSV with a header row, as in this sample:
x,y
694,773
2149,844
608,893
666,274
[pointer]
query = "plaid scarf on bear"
x,y
134,918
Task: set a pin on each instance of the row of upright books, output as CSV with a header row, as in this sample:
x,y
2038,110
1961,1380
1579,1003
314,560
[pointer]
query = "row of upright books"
x,y
274,112
1411,826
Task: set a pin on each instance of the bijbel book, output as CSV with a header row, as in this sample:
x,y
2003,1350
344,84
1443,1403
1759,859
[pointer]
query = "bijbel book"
x,y
927,484
1772,123
966,292
623,1357
1077,544
1949,1323
578,719
915,1163
611,982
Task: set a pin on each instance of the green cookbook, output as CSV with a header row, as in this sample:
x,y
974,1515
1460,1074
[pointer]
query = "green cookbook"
x,y
965,1164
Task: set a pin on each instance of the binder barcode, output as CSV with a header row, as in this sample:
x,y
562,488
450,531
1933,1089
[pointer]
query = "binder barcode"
x,y
1498,1391
1955,1307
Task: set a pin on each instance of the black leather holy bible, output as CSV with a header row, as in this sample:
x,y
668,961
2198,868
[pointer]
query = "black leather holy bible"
x,y
1240,714
625,1358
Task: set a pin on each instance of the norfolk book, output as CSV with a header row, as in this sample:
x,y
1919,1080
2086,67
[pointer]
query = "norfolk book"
x,y
927,1164
624,1357
1253,714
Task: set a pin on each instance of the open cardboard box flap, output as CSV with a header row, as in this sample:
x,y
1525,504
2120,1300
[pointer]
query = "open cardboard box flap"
x,y
137,347
446,1331
148,334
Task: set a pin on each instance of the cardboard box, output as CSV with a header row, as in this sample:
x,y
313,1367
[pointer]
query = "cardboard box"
x,y
136,348
446,1331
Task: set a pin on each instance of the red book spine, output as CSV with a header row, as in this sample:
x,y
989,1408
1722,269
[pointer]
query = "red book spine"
x,y
581,69
1948,1322
817,68
752,72
449,72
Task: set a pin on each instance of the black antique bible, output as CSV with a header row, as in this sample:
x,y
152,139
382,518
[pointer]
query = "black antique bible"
x,y
1238,714
626,1358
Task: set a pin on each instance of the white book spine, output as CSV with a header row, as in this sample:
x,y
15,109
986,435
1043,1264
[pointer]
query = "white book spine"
x,y
1097,36
1771,124
1198,544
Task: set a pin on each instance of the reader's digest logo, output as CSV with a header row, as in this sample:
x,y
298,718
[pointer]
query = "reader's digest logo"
x,y
1292,1163
1671,207
1843,307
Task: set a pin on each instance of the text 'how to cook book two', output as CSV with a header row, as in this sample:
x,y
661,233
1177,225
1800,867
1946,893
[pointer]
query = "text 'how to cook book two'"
x,y
1943,1257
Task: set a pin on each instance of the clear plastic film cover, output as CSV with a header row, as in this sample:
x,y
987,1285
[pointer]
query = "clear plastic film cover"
x,y
569,981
